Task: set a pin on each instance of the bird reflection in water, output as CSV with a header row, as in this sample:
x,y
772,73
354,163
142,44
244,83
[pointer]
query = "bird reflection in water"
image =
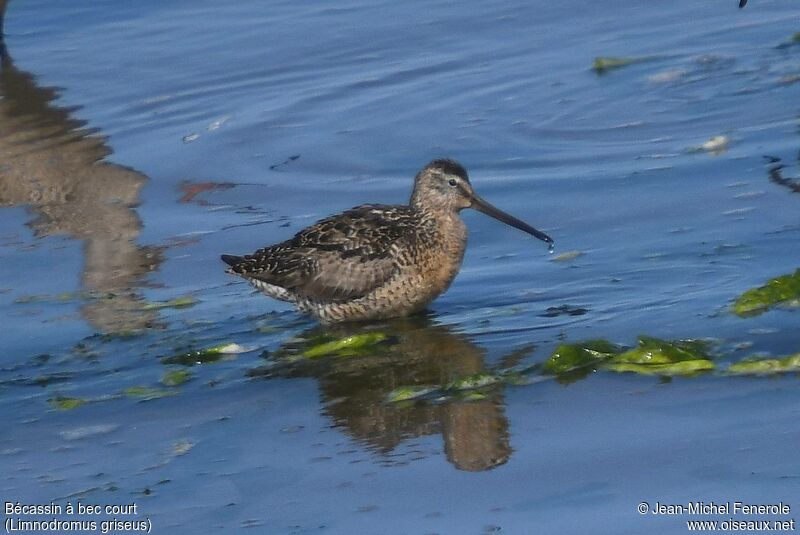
x,y
52,164
355,390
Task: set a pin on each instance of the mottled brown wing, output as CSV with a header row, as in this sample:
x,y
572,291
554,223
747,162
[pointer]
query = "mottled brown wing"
x,y
343,257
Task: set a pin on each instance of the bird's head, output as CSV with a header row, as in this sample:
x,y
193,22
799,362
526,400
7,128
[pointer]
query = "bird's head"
x,y
443,186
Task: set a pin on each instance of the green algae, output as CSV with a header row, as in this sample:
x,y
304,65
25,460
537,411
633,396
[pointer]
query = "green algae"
x,y
773,366
64,403
473,396
410,393
467,388
651,356
603,64
780,291
347,346
651,350
175,377
569,357
146,393
684,367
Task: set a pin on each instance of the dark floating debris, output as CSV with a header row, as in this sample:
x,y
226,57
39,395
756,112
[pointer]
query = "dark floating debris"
x,y
562,310
775,171
287,161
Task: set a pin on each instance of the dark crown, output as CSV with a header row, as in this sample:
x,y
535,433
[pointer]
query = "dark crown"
x,y
450,167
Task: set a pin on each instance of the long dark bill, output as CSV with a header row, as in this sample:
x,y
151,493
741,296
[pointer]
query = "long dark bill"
x,y
483,206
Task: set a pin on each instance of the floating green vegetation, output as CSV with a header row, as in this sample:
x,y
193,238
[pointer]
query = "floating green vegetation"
x,y
780,291
473,396
651,350
469,388
146,393
569,357
310,349
766,366
138,392
603,64
569,362
184,301
686,367
651,356
410,393
353,345
175,377
63,403
206,355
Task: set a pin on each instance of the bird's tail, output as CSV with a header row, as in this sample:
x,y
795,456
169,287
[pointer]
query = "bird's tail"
x,y
233,261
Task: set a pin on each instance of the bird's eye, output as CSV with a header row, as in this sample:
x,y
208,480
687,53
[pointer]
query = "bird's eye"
x,y
452,182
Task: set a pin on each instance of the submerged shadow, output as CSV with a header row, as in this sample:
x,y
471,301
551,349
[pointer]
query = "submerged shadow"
x,y
355,391
53,165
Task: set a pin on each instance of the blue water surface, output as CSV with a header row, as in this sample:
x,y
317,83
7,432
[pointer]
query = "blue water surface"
x,y
138,141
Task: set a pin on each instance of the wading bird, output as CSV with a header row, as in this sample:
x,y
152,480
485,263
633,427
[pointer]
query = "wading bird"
x,y
376,261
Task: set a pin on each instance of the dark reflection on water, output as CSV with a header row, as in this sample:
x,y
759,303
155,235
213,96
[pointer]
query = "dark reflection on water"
x,y
778,175
355,389
51,163
3,51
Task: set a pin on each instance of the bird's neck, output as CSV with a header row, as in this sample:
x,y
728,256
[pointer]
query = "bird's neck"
x,y
430,208
446,225
436,213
